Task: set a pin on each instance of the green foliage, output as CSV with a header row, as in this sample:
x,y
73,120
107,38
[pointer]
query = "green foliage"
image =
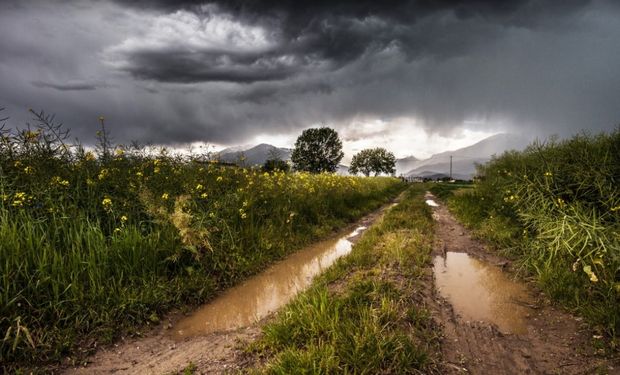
x,y
556,206
317,150
93,245
371,325
373,160
272,165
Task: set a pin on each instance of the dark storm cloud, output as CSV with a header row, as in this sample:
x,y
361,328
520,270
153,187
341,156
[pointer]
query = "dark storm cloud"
x,y
226,71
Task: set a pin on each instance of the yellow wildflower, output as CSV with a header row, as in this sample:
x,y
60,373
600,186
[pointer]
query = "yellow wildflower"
x,y
28,170
119,152
204,195
165,196
107,204
548,174
123,219
219,179
103,174
199,187
139,174
89,156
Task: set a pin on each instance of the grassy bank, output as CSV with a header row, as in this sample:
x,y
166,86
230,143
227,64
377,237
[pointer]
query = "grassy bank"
x,y
556,208
364,315
95,245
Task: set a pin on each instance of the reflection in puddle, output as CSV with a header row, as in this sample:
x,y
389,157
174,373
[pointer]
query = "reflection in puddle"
x,y
431,203
479,291
264,293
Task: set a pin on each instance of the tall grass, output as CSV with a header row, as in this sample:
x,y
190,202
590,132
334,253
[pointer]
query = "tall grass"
x,y
556,206
92,245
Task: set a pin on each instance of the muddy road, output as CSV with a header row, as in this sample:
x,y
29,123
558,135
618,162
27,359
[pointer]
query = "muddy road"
x,y
211,337
493,324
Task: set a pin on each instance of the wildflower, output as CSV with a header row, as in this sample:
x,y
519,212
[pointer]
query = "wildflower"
x,y
90,182
156,170
59,181
89,156
589,272
18,199
107,204
219,179
242,213
548,174
17,164
123,219
212,215
119,152
204,195
165,196
117,230
156,162
103,174
28,170
139,174
561,202
199,187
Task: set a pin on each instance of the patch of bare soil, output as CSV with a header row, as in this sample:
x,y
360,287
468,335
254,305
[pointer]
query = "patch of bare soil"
x,y
554,341
158,354
216,353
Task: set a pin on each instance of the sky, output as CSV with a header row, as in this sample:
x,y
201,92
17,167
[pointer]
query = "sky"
x,y
417,77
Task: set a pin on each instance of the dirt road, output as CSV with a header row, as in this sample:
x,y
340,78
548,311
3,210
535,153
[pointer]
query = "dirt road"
x,y
551,341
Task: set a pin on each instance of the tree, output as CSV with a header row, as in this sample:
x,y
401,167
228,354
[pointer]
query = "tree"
x,y
317,150
375,160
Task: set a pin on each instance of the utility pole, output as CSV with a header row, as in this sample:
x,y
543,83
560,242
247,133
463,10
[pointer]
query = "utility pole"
x,y
450,167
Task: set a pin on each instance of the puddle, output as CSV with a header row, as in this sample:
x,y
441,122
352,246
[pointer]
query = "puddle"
x,y
266,292
479,291
432,203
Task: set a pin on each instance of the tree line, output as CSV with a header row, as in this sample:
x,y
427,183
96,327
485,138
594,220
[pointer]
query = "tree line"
x,y
320,150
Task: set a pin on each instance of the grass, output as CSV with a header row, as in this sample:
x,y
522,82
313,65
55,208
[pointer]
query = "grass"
x,y
555,207
364,314
96,245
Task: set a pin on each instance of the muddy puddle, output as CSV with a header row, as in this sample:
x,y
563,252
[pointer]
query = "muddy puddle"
x,y
481,292
264,293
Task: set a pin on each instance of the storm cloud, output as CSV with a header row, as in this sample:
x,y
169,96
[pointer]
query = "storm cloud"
x,y
226,71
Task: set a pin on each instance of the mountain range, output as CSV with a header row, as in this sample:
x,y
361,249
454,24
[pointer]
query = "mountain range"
x,y
464,160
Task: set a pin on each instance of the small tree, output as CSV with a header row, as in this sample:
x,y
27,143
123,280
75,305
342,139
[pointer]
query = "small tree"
x,y
317,150
375,160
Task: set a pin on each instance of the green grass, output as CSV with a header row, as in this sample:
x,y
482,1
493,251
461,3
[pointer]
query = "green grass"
x,y
364,314
92,247
555,207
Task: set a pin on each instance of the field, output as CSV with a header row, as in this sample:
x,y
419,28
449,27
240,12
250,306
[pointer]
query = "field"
x,y
97,244
555,207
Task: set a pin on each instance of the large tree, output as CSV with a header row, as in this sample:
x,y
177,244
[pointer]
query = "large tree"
x,y
377,160
317,150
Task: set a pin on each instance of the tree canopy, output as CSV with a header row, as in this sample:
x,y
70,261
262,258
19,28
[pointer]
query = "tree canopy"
x,y
317,150
373,160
